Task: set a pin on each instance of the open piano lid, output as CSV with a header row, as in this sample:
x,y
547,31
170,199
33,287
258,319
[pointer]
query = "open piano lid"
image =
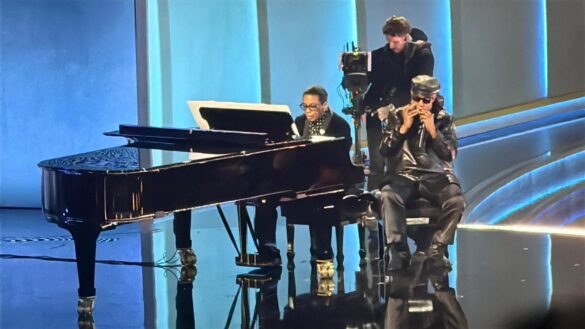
x,y
274,120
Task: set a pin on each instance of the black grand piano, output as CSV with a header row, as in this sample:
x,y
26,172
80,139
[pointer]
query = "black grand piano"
x,y
244,155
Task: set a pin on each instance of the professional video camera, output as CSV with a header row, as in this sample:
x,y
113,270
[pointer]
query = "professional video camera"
x,y
355,65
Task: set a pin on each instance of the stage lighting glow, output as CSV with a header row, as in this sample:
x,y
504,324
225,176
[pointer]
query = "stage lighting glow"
x,y
519,192
573,218
544,50
529,229
549,282
448,84
533,199
481,126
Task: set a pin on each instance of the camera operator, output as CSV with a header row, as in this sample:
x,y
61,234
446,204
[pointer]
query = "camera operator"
x,y
393,67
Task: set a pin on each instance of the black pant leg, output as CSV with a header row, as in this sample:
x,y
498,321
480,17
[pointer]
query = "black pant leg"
x,y
182,229
321,241
265,223
452,203
394,196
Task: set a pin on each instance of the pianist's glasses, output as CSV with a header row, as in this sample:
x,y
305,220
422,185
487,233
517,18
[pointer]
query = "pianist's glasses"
x,y
310,107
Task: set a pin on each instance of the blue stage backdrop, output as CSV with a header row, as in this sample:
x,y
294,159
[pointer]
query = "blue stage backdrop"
x,y
203,50
211,51
67,74
434,20
68,67
305,39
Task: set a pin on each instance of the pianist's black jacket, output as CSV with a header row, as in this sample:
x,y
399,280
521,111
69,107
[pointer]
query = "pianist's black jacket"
x,y
337,128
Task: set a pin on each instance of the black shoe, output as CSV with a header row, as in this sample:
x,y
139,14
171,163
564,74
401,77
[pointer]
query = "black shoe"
x,y
438,275
269,256
187,274
187,256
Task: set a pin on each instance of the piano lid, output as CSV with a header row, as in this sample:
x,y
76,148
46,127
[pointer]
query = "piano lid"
x,y
274,120
188,136
128,158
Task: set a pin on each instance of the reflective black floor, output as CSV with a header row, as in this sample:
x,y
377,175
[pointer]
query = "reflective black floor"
x,y
499,280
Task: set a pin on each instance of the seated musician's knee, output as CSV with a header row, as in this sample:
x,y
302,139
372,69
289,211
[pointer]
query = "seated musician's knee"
x,y
456,203
389,196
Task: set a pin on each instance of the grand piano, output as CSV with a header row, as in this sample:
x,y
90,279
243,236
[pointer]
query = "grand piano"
x,y
245,154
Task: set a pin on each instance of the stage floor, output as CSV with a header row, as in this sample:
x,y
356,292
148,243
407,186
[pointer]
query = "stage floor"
x,y
501,280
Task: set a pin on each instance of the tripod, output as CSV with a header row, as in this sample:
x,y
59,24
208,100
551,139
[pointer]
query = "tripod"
x,y
356,111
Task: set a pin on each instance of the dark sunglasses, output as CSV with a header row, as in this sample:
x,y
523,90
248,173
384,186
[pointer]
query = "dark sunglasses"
x,y
425,100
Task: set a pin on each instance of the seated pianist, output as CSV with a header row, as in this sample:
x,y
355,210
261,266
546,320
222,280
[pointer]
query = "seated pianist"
x,y
317,120
420,140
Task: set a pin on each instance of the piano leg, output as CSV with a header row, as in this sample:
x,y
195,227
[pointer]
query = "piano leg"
x,y
339,240
85,239
182,232
184,305
290,238
243,231
362,239
182,229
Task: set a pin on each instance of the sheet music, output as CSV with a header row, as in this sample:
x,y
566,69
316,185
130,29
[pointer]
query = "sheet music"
x,y
202,156
195,107
319,138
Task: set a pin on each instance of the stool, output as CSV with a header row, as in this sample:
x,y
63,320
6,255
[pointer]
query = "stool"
x,y
421,220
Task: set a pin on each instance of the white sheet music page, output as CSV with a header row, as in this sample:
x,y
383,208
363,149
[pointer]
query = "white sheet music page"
x,y
195,106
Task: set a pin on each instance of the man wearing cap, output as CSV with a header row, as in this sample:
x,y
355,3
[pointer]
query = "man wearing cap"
x,y
420,138
393,67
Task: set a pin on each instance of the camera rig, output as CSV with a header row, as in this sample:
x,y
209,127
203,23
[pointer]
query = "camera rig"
x,y
355,65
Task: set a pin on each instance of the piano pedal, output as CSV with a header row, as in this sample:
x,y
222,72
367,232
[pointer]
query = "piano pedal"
x,y
259,278
257,260
188,257
187,274
85,305
325,268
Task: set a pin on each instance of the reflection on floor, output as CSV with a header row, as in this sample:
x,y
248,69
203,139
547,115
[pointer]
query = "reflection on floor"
x,y
499,280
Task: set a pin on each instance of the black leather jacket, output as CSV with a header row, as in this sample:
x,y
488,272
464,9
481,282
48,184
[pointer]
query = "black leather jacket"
x,y
412,156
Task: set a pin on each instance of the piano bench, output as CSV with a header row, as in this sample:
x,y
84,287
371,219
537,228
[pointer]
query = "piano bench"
x,y
334,210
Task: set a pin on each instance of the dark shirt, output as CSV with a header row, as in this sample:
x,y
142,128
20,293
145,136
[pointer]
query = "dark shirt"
x,y
316,127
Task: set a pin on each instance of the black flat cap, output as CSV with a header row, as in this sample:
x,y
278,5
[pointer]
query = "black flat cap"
x,y
424,86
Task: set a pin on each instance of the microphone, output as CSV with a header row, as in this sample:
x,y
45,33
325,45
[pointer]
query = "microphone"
x,y
422,133
386,110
